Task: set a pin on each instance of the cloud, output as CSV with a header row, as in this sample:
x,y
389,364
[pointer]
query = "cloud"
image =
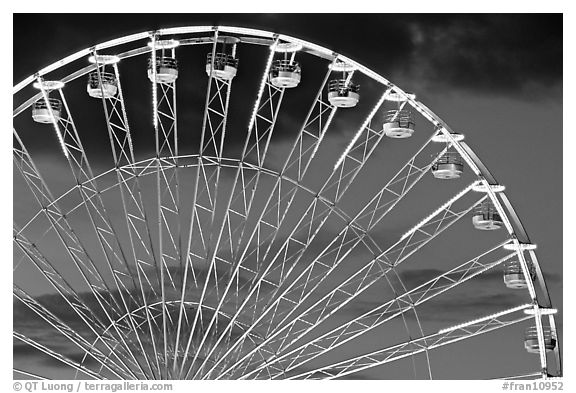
x,y
483,295
55,303
466,307
24,350
31,324
516,55
415,277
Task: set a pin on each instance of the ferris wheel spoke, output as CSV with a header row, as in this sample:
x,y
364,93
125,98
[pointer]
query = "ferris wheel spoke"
x,y
357,283
141,243
166,137
389,310
132,171
319,210
204,184
57,356
167,197
70,296
260,356
266,371
82,172
227,294
217,116
74,247
76,376
354,156
134,212
393,192
443,337
354,233
28,374
303,151
197,257
66,331
405,247
205,192
260,129
46,268
315,216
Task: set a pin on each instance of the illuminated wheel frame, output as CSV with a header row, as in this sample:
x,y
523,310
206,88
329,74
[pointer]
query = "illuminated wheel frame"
x,y
258,320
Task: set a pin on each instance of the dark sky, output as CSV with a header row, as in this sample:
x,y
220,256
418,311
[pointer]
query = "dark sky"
x,y
495,78
501,54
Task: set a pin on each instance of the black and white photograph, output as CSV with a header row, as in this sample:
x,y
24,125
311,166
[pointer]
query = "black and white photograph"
x,y
264,196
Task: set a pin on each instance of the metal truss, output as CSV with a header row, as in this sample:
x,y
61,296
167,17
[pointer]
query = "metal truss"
x,y
59,223
385,312
317,213
167,195
91,320
243,289
286,322
84,370
204,199
69,333
260,128
137,222
107,236
443,337
278,203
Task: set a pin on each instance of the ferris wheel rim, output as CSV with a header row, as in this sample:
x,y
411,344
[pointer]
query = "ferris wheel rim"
x,y
512,222
211,160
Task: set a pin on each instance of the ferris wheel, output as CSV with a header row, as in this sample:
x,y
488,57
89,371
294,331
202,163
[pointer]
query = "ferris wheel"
x,y
288,213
